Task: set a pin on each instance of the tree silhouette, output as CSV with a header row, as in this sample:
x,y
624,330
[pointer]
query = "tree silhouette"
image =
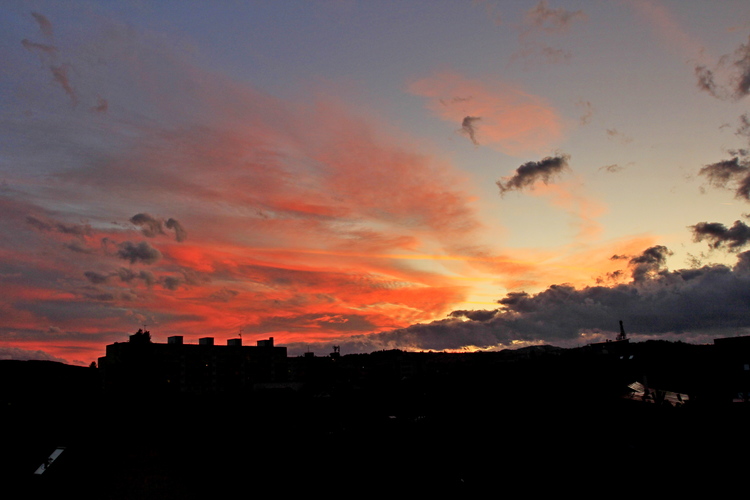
x,y
141,337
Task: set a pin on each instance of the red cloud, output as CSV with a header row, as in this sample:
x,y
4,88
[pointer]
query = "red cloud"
x,y
503,117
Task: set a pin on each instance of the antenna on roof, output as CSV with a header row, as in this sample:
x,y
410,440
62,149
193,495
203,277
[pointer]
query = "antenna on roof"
x,y
622,335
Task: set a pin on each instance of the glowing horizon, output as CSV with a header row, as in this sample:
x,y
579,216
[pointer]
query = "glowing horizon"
x,y
365,175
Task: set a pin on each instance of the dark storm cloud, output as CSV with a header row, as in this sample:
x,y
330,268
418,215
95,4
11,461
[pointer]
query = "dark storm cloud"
x,y
534,171
735,172
468,127
138,252
476,315
737,66
700,303
718,235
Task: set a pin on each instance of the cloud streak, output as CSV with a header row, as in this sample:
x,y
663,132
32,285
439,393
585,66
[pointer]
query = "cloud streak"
x,y
730,77
550,20
542,21
295,231
512,121
44,25
49,54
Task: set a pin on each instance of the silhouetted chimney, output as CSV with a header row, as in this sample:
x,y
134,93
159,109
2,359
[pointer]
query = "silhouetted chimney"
x,y
206,341
234,342
266,343
175,340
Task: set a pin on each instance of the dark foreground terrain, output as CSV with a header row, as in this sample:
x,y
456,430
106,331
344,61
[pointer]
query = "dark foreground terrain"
x,y
543,426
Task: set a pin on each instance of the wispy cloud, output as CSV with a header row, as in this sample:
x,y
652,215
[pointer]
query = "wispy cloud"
x,y
542,22
616,135
468,126
667,27
338,227
512,121
558,20
44,25
729,78
613,168
49,54
587,111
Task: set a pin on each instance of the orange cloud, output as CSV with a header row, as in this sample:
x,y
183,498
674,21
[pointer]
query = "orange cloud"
x,y
297,219
667,27
583,209
501,116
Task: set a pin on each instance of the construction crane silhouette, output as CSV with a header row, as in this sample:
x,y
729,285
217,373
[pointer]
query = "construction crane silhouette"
x,y
622,335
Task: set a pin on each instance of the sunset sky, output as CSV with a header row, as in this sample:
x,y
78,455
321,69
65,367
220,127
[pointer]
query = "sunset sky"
x,y
421,175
